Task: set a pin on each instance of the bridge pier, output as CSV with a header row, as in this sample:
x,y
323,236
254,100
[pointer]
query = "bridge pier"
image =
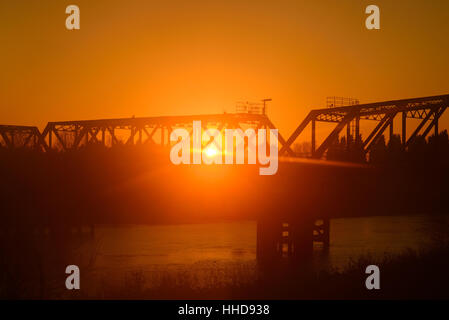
x,y
290,240
321,233
269,236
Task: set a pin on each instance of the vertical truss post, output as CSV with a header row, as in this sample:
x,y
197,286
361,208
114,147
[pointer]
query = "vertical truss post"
x,y
132,133
404,128
313,137
436,126
103,136
348,134
50,142
391,128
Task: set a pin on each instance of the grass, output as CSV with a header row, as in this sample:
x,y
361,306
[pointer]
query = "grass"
x,y
35,270
410,275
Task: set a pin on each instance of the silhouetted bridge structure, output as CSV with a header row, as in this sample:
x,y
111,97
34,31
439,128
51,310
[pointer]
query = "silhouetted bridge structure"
x,y
319,189
66,135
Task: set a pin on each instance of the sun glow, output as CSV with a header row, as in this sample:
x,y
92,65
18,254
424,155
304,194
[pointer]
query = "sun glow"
x,y
211,152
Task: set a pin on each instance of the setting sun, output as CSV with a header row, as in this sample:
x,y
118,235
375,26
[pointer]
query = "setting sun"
x,y
211,152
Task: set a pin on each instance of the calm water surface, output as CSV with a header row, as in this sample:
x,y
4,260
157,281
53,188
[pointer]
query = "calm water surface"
x,y
211,247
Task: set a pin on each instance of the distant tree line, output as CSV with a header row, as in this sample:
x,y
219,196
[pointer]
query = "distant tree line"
x,y
434,149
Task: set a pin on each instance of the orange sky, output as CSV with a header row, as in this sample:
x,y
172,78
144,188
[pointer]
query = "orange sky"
x,y
148,58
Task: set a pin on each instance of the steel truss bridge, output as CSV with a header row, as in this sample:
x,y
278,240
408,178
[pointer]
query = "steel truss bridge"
x,y
67,135
428,109
21,136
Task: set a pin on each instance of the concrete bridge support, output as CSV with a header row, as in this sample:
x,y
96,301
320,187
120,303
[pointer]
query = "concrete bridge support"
x,y
290,240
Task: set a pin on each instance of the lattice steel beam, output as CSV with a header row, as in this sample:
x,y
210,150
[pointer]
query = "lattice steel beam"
x,y
12,137
417,108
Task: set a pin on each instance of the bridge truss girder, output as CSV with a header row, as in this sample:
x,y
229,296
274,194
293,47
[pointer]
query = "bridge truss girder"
x,y
151,130
426,109
68,135
13,137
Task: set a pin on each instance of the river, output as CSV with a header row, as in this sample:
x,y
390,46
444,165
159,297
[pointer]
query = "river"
x,y
210,250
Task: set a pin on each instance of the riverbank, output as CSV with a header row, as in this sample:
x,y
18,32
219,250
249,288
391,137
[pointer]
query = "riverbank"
x,y
410,275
